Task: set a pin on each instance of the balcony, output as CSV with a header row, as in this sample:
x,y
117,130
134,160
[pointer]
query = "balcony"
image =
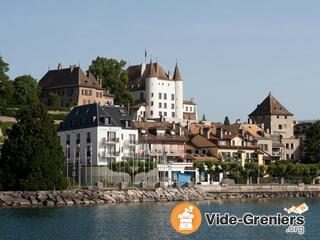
x,y
112,154
111,140
276,154
130,142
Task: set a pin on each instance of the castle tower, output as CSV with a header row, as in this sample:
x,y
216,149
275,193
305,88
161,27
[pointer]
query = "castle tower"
x,y
179,92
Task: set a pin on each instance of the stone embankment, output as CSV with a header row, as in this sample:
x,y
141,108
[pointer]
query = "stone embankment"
x,y
86,197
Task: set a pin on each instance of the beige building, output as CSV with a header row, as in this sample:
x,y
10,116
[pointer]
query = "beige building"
x,y
74,87
278,122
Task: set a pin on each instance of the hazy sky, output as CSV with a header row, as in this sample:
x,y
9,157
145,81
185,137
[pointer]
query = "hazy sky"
x,y
231,53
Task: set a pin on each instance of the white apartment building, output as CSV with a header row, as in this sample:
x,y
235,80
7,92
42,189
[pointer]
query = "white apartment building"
x,y
97,135
161,94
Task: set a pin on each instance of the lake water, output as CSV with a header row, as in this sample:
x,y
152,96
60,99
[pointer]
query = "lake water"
x,y
148,221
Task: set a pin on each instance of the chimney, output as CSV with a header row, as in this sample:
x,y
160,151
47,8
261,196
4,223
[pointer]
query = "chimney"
x,y
143,68
201,131
219,133
60,66
72,67
208,133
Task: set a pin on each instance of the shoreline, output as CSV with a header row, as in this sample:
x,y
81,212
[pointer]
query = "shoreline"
x,y
16,199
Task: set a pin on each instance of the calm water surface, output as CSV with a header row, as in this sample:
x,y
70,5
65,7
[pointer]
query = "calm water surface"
x,y
148,221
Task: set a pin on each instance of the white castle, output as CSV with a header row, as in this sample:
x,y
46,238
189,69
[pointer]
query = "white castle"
x,y
156,93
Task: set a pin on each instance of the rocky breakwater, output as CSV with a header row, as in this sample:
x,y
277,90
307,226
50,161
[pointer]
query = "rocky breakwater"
x,y
86,197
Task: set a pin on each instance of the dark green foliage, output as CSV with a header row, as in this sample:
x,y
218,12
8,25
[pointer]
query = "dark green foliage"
x,y
204,117
114,78
312,143
6,86
294,172
26,90
5,111
226,121
31,157
54,100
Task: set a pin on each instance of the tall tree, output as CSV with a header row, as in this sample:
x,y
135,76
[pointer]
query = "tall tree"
x,y
31,157
312,143
26,90
226,121
6,86
204,117
114,78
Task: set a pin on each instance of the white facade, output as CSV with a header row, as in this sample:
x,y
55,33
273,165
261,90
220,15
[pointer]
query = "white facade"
x,y
164,98
163,95
99,145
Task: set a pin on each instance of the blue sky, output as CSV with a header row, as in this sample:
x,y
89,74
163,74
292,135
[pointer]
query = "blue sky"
x,y
231,53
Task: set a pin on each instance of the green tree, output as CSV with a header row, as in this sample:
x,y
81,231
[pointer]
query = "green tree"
x,y
204,117
114,78
226,121
312,143
31,157
26,90
6,86
54,100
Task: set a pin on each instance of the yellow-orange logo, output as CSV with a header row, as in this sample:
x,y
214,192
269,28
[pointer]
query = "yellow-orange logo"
x,y
185,218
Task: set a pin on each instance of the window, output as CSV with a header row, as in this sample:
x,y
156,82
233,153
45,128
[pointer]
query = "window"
x,y
160,113
277,116
285,117
111,136
141,96
88,137
172,105
287,156
172,96
190,109
160,105
164,105
68,152
68,140
159,96
165,114
77,152
151,112
165,96
121,136
187,109
152,94
88,151
292,156
172,114
78,138
287,145
292,146
280,126
151,103
132,139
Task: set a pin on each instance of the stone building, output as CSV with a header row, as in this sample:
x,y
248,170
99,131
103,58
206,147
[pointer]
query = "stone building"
x,y
161,93
190,111
278,122
74,87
